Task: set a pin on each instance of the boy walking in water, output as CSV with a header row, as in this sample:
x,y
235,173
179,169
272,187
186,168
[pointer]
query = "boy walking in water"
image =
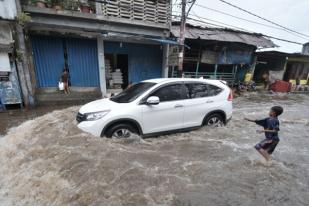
x,y
271,127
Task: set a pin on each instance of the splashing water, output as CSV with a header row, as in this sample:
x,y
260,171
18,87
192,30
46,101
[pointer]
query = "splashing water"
x,y
49,161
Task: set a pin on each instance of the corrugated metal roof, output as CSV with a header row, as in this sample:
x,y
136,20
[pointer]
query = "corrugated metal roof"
x,y
224,35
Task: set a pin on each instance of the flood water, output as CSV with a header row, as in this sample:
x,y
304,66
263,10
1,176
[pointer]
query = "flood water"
x,y
48,161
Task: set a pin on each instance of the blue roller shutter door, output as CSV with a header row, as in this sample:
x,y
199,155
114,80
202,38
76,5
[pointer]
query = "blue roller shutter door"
x,y
83,62
48,56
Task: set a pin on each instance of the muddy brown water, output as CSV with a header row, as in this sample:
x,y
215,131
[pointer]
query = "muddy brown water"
x,y
48,161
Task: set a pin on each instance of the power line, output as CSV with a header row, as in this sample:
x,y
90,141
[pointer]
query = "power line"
x,y
247,20
231,25
249,12
240,29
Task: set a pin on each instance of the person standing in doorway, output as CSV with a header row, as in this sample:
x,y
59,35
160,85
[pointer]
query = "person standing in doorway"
x,y
65,80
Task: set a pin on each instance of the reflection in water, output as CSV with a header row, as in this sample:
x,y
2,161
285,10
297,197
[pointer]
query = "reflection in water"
x,y
48,161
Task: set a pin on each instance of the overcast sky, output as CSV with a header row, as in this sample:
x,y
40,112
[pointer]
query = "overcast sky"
x,y
293,14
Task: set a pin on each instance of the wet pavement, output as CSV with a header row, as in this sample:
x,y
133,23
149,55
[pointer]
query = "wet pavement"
x,y
48,161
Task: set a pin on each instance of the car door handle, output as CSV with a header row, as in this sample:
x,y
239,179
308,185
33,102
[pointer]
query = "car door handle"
x,y
178,106
209,101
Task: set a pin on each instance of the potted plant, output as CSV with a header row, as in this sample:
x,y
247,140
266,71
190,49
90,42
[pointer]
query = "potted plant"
x,y
84,6
40,3
72,5
57,4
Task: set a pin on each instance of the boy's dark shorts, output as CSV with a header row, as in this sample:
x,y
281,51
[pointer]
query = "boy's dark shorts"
x,y
267,144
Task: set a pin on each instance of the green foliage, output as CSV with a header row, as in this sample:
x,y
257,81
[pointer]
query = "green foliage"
x,y
71,5
18,55
23,18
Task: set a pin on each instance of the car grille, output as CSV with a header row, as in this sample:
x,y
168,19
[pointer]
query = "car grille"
x,y
80,117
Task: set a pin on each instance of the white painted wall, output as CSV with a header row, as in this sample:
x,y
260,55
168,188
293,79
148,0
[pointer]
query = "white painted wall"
x,y
8,9
4,62
101,61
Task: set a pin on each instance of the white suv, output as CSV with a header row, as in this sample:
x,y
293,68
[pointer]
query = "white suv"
x,y
157,106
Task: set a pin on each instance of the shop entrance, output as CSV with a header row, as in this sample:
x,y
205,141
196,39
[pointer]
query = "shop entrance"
x,y
117,72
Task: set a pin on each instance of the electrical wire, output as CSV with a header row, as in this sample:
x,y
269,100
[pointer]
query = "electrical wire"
x,y
247,20
239,29
249,12
247,30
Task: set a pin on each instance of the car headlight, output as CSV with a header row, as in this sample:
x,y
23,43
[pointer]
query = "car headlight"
x,y
95,115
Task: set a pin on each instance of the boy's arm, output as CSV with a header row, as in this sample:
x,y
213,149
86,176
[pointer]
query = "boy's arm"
x,y
250,120
267,130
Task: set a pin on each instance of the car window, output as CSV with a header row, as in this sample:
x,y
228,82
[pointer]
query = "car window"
x,y
200,90
172,92
213,90
132,92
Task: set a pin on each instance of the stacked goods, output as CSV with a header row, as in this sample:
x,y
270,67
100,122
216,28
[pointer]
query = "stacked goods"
x,y
108,69
117,78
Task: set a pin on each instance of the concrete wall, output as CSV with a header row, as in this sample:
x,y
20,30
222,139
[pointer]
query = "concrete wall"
x,y
8,9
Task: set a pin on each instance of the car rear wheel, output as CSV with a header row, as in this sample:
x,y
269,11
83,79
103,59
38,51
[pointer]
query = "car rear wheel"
x,y
214,120
120,131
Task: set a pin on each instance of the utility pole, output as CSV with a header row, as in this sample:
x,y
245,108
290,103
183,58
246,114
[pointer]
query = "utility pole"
x,y
182,36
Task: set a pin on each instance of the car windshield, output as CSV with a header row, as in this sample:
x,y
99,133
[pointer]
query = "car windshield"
x,y
132,93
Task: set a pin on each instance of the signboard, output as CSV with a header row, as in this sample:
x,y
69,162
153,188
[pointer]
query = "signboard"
x,y
209,57
9,88
173,56
4,62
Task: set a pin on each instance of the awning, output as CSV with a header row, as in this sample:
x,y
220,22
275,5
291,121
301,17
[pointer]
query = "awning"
x,y
224,35
6,41
165,41
114,35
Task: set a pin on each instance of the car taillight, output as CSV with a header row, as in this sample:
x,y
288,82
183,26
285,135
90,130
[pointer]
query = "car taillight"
x,y
230,97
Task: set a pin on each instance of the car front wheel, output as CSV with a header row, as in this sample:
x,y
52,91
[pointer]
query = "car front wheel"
x,y
120,131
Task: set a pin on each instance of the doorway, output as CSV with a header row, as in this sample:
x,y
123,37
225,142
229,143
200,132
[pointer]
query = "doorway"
x,y
117,71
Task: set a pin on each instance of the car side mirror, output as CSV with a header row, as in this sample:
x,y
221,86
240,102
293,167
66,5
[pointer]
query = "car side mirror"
x,y
153,100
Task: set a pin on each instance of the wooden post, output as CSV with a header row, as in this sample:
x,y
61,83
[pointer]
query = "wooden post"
x,y
253,68
216,70
198,61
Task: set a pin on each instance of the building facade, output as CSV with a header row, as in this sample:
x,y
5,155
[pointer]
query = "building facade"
x,y
105,45
282,66
218,53
9,84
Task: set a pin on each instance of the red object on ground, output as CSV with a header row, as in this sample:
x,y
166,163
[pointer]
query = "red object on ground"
x,y
281,86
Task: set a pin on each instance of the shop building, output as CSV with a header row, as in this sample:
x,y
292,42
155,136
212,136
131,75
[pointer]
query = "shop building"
x,y
283,66
10,93
218,53
105,46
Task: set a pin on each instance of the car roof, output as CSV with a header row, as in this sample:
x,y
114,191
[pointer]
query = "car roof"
x,y
167,80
